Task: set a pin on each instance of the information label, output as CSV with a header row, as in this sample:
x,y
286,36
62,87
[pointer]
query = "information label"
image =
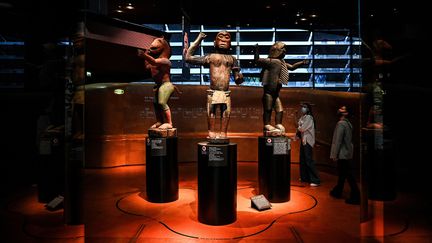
x,y
280,146
269,142
260,202
158,146
217,156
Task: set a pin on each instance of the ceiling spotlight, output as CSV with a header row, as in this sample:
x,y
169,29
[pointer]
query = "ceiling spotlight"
x,y
119,9
303,19
268,7
298,14
313,15
129,6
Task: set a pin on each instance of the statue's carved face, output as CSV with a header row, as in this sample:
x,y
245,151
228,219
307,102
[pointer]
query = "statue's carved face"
x,y
223,40
277,50
159,48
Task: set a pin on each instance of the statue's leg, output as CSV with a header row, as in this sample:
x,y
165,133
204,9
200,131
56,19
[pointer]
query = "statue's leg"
x,y
267,101
211,117
164,93
279,115
167,120
157,110
226,111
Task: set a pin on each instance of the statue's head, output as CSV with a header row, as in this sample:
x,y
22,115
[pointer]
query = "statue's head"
x,y
223,41
277,50
160,48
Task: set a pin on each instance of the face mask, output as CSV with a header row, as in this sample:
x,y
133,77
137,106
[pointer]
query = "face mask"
x,y
339,114
304,110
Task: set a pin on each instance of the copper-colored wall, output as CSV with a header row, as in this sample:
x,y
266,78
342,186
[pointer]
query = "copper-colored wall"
x,y
116,125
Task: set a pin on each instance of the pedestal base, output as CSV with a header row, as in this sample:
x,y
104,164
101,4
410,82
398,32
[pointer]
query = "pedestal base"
x,y
51,166
217,183
162,133
161,169
274,133
274,172
218,140
73,197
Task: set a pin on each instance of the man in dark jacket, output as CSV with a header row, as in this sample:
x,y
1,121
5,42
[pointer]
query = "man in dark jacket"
x,y
342,152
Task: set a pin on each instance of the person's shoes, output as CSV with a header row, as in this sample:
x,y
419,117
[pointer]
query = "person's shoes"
x,y
335,194
314,184
353,200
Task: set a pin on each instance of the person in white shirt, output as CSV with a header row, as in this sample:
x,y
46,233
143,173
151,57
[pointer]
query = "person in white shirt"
x,y
306,131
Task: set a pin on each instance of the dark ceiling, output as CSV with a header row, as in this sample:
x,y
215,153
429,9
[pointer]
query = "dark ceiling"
x,y
270,13
49,18
254,13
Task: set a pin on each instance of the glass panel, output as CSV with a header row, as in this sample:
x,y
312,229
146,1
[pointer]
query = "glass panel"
x,y
292,35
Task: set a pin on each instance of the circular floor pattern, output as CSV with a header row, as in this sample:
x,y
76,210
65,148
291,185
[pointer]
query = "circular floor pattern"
x,y
180,216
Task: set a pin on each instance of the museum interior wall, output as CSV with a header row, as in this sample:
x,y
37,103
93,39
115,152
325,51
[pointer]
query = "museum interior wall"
x,y
117,116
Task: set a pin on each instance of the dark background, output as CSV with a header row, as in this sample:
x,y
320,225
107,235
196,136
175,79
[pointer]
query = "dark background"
x,y
402,24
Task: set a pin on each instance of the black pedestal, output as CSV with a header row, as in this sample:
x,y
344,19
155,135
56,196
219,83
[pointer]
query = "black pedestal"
x,y
73,199
161,169
217,183
274,172
51,166
378,165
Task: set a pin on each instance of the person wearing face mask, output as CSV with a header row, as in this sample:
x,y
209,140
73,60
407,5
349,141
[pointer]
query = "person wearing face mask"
x,y
342,152
306,130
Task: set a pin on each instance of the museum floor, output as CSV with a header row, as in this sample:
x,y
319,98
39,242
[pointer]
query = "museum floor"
x,y
115,211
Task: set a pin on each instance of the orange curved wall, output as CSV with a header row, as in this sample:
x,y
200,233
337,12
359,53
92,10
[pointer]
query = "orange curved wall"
x,y
116,124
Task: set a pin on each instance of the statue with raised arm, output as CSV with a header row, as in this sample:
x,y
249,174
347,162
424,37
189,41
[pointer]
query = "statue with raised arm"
x,y
274,73
221,64
158,63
